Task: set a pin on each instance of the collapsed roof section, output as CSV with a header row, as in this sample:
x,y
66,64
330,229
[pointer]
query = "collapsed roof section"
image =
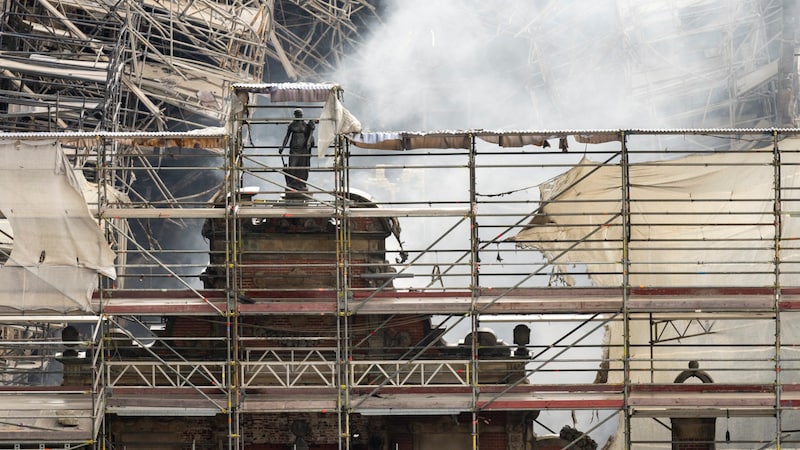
x,y
130,65
153,65
308,38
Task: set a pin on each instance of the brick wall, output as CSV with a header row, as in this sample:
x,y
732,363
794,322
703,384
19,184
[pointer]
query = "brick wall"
x,y
493,440
692,446
297,253
145,433
551,443
274,431
693,433
401,441
287,331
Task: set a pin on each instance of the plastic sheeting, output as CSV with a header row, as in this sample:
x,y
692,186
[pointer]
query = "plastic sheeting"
x,y
696,221
334,120
58,247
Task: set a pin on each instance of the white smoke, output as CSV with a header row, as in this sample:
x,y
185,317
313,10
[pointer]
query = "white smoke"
x,y
567,64
491,65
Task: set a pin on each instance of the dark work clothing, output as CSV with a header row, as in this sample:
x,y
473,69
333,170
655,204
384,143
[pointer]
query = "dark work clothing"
x,y
300,137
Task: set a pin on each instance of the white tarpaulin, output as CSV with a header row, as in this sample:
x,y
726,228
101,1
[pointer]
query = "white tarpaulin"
x,y
695,221
334,120
58,247
705,220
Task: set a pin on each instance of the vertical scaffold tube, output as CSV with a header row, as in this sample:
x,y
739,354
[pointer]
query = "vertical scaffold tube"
x,y
475,263
343,250
625,192
777,211
232,177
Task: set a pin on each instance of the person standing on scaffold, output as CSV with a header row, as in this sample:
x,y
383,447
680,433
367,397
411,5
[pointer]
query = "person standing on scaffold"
x,y
300,138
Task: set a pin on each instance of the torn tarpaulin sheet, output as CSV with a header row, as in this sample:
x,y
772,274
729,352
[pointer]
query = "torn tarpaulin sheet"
x,y
58,247
410,141
515,139
334,120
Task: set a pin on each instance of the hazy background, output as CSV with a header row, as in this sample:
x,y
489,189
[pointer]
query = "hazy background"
x,y
519,65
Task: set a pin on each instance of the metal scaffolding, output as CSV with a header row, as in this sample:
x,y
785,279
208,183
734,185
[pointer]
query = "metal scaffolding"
x,y
71,65
497,229
623,275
